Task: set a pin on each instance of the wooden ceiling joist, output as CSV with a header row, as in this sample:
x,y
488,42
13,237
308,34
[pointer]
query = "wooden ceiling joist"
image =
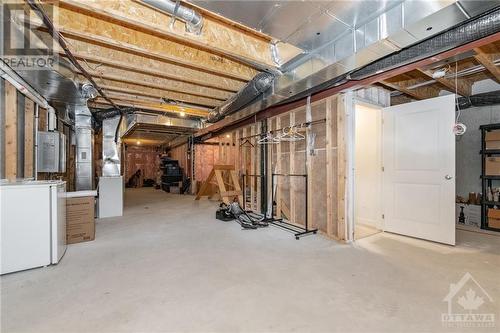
x,y
155,68
403,83
487,59
463,87
153,94
216,36
103,32
144,80
156,93
146,105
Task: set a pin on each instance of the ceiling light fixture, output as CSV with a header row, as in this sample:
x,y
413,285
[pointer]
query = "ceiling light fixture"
x,y
182,114
138,142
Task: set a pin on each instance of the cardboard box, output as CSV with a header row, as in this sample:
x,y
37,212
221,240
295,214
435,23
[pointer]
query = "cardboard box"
x,y
494,223
494,213
492,140
80,222
492,166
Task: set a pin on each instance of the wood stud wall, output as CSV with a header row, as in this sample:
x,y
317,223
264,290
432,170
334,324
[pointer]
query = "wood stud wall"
x,y
325,166
17,120
10,131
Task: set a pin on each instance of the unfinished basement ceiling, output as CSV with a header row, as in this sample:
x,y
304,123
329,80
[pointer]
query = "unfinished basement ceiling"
x,y
139,60
306,24
311,25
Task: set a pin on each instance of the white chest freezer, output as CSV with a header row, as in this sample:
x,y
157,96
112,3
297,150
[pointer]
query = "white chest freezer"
x,y
32,225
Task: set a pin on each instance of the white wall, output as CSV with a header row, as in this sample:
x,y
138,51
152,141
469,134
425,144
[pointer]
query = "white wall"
x,y
367,165
468,164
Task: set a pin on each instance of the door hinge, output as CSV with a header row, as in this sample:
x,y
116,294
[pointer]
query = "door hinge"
x,y
383,216
383,169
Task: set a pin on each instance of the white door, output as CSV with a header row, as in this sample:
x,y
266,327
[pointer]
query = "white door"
x,y
419,169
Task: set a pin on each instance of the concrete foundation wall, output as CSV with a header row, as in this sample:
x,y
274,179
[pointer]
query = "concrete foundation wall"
x,y
468,164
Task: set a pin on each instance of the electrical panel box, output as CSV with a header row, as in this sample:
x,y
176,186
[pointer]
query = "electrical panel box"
x,y
51,152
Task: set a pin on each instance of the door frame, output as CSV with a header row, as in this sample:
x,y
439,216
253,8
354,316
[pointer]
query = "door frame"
x,y
350,123
379,220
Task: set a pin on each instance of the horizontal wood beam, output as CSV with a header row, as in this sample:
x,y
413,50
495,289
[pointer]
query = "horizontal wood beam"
x,y
463,87
148,93
155,92
487,60
402,82
154,68
216,36
147,105
102,32
160,83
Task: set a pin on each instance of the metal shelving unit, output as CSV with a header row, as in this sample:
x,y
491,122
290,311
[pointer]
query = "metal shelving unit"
x,y
487,180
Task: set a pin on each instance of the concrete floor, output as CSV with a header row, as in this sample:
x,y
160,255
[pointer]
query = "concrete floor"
x,y
168,265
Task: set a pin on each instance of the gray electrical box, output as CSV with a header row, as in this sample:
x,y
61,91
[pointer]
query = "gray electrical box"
x,y
51,152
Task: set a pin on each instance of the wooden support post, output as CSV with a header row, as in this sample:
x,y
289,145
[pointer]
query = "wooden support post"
x,y
330,219
10,131
43,119
341,167
29,118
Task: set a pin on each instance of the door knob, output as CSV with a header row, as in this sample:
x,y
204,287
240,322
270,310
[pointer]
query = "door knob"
x,y
448,177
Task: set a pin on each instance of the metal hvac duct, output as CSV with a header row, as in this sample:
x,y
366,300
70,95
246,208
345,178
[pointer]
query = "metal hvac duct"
x,y
253,89
194,21
83,134
110,153
320,72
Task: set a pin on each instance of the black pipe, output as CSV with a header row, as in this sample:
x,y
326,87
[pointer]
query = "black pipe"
x,y
263,171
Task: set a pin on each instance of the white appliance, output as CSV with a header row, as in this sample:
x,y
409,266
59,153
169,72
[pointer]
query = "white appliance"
x,y
32,225
110,196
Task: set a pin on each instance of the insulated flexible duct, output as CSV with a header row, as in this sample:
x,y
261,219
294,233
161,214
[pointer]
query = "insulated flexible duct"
x,y
253,89
490,98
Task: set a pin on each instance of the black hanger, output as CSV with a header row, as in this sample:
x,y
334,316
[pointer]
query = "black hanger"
x,y
247,142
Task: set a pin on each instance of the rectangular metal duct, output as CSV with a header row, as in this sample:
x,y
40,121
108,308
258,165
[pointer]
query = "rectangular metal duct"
x,y
84,143
110,153
142,118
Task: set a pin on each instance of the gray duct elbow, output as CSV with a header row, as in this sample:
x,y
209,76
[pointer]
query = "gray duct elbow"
x,y
194,21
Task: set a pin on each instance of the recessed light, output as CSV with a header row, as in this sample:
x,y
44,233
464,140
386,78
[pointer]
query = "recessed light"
x,y
138,142
182,114
228,136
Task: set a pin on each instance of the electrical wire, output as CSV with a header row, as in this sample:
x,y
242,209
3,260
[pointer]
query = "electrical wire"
x,y
459,128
